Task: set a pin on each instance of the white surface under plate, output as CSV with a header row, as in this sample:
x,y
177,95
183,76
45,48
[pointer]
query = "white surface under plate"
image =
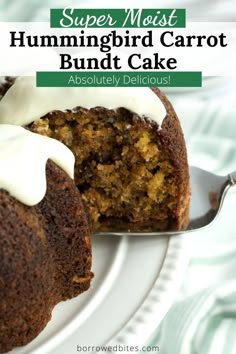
x,y
136,281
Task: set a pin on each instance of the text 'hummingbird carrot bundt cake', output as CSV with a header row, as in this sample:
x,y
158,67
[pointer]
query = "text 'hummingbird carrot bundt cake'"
x,y
45,252
130,155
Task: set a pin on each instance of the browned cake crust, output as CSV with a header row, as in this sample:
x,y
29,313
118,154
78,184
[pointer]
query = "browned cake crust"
x,y
45,257
174,148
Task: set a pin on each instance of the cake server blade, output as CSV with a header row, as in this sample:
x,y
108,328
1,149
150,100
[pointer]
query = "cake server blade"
x,y
207,195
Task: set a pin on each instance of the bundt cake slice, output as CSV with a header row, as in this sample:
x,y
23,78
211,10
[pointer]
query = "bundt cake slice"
x,y
45,251
130,155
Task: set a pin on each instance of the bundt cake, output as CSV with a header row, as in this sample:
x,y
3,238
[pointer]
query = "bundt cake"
x,y
130,154
45,252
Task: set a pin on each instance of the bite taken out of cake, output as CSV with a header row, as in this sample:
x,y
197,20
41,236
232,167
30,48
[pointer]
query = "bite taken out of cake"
x,y
130,154
45,251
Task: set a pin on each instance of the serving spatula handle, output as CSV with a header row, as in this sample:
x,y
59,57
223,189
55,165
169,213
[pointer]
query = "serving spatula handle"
x,y
232,178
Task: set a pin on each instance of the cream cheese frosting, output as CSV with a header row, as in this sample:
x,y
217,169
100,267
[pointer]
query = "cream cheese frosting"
x,y
24,103
23,157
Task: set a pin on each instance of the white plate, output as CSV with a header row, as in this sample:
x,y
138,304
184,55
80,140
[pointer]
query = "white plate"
x,y
136,281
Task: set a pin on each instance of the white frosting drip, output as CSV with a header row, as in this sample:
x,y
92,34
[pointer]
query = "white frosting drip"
x,y
24,102
23,157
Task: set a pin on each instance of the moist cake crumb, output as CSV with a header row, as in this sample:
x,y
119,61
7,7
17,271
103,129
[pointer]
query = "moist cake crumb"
x,y
124,168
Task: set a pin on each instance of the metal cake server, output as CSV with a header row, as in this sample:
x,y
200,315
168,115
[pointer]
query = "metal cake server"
x,y
207,195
